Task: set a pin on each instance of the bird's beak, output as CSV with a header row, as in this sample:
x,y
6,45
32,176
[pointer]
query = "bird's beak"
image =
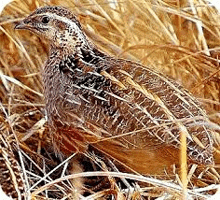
x,y
21,25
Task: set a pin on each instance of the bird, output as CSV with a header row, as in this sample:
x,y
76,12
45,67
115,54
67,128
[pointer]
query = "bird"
x,y
129,112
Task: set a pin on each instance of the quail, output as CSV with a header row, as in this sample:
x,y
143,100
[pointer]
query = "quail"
x,y
127,111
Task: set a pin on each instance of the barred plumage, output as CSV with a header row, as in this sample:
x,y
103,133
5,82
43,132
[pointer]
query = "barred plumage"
x,y
124,109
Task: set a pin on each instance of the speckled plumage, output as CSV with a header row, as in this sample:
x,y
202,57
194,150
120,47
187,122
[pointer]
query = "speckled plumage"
x,y
115,105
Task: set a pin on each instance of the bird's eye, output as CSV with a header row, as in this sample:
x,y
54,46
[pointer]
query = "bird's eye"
x,y
45,20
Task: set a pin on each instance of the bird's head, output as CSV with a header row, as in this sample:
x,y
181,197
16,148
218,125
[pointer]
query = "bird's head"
x,y
57,24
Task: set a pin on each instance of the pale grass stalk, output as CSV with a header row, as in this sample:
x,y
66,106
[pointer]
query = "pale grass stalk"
x,y
199,26
183,164
165,184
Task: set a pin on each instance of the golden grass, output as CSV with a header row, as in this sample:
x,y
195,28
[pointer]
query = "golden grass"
x,y
179,38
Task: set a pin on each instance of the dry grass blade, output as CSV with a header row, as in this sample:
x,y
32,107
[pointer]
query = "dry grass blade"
x,y
183,167
15,81
165,184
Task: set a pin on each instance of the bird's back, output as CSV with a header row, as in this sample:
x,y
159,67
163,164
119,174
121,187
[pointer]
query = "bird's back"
x,y
123,103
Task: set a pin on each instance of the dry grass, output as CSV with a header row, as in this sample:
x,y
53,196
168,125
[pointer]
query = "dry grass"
x,y
179,38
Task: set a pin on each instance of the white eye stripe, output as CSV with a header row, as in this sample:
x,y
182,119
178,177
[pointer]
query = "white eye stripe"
x,y
62,19
66,36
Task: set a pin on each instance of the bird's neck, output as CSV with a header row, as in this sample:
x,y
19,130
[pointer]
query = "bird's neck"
x,y
87,58
71,48
84,49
